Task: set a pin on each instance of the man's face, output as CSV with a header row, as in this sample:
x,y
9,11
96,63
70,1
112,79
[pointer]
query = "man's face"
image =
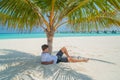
x,y
46,50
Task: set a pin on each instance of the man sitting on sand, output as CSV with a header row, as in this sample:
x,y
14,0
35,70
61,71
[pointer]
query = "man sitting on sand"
x,y
47,58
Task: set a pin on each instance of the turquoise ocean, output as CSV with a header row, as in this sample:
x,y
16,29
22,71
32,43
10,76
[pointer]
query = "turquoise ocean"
x,y
43,35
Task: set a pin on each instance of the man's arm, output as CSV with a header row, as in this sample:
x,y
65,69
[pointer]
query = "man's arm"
x,y
46,63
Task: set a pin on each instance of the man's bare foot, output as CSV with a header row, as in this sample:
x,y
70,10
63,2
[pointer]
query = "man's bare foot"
x,y
85,59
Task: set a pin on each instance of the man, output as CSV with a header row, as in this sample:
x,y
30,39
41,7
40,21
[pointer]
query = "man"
x,y
47,58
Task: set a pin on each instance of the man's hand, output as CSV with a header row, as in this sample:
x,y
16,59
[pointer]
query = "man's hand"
x,y
46,63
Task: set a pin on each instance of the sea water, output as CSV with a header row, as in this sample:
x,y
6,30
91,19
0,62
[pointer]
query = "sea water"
x,y
43,35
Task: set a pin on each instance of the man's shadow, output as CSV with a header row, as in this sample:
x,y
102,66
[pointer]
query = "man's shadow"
x,y
23,66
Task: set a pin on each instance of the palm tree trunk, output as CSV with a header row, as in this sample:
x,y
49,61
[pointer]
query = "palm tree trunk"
x,y
50,36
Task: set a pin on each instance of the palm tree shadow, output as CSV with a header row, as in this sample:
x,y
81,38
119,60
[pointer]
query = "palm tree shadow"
x,y
23,66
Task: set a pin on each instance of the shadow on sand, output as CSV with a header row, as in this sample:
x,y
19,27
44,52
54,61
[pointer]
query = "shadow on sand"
x,y
16,65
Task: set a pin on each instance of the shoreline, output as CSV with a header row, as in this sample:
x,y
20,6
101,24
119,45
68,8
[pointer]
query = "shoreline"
x,y
58,37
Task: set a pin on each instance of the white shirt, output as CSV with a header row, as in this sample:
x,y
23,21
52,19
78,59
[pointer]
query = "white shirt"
x,y
46,57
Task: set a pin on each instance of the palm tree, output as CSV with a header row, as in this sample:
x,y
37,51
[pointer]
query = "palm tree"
x,y
51,14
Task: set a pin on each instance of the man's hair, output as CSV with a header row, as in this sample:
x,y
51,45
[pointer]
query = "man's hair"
x,y
44,46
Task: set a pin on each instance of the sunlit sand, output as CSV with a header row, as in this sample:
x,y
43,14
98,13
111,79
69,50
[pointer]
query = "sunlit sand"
x,y
20,59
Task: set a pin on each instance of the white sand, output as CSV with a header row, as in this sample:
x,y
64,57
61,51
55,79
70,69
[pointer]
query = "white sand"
x,y
19,59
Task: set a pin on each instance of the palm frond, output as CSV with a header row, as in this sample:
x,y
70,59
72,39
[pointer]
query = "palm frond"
x,y
19,13
30,13
99,21
92,5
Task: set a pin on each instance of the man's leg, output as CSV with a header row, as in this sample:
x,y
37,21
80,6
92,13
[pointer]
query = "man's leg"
x,y
64,50
70,59
77,60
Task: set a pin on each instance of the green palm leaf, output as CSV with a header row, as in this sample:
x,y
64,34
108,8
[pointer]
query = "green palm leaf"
x,y
99,21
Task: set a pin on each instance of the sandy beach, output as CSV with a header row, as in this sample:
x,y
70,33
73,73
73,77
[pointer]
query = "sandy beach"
x,y
20,59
